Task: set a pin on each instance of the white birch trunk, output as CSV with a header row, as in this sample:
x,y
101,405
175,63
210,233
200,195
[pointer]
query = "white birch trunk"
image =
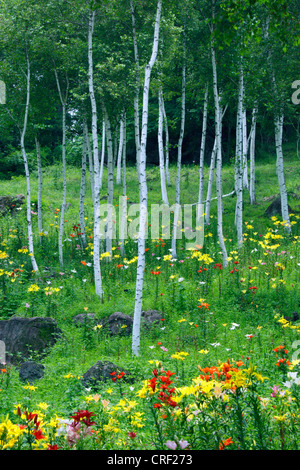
x,y
179,158
252,156
211,176
102,153
202,148
123,232
86,137
110,185
40,187
96,248
82,188
161,148
218,127
63,101
143,191
239,165
167,143
120,150
278,128
137,92
280,171
27,174
210,183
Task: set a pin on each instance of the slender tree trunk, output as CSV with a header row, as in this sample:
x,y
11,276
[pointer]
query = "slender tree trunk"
x,y
96,248
278,130
210,183
211,176
27,174
218,127
179,157
123,232
161,148
239,164
82,188
40,187
167,143
86,138
278,122
137,92
143,191
120,150
202,149
102,152
63,101
252,155
110,185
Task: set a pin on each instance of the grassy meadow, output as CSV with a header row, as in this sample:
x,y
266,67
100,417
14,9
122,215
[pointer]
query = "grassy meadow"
x,y
220,369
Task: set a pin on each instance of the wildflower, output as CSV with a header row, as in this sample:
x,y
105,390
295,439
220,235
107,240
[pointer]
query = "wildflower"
x,y
171,445
225,443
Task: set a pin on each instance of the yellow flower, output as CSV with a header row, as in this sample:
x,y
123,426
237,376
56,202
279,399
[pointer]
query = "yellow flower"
x,y
33,288
32,388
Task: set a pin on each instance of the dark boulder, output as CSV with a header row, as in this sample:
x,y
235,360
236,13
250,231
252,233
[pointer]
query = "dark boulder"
x,y
118,323
86,319
152,317
275,208
23,337
8,204
101,372
31,371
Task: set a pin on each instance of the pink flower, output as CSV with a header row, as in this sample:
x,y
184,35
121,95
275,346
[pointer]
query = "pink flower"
x,y
183,444
171,445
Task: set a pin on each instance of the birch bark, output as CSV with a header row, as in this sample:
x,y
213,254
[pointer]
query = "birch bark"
x,y
179,156
252,155
137,90
120,150
167,143
82,188
218,127
143,190
102,152
86,138
161,148
63,101
110,184
202,148
96,247
40,187
27,174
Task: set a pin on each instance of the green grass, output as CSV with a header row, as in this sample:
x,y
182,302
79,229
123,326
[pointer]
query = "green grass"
x,y
210,310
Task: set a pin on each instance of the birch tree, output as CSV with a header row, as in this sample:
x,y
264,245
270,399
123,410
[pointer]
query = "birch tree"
x,y
96,247
202,148
63,99
27,174
40,187
176,220
218,134
161,147
143,189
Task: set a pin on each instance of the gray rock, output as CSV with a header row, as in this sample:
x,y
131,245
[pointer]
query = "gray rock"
x,y
8,204
100,372
275,208
31,371
119,323
89,318
151,317
24,336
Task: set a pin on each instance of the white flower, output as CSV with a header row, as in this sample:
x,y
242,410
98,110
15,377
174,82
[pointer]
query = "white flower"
x,y
215,344
180,279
